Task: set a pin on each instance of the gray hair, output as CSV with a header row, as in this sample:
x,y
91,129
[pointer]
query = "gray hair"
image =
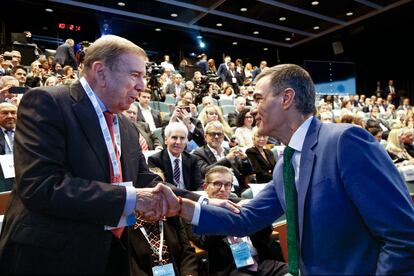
x,y
295,77
213,124
108,49
175,126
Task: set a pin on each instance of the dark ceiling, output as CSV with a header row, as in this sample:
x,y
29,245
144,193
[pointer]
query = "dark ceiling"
x,y
375,36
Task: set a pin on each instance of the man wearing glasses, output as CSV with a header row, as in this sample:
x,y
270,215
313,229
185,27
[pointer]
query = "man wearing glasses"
x,y
214,154
222,250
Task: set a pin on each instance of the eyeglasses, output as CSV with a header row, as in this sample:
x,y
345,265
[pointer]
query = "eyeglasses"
x,y
214,134
217,185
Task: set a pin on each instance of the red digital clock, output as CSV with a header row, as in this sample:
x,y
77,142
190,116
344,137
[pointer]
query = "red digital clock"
x,y
70,27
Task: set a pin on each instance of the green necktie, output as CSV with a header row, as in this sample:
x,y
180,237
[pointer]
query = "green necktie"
x,y
291,211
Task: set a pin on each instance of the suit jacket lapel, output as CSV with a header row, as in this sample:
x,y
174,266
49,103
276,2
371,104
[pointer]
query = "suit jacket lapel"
x,y
89,124
306,165
168,169
210,155
126,162
186,164
2,143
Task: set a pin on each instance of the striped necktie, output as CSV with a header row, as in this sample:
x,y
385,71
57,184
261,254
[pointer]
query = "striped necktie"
x,y
177,172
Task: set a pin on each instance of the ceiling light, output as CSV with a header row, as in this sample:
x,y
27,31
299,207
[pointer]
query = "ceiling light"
x,y
315,3
256,32
287,38
199,37
235,43
316,27
219,24
174,15
157,29
243,9
202,44
265,49
121,4
349,14
282,18
49,10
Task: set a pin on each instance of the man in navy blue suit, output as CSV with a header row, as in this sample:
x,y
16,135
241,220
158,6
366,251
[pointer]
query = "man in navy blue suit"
x,y
352,212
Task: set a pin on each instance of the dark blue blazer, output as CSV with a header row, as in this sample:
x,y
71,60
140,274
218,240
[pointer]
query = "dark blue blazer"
x,y
355,214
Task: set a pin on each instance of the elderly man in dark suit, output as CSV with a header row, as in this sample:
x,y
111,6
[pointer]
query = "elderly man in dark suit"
x,y
179,167
8,117
76,163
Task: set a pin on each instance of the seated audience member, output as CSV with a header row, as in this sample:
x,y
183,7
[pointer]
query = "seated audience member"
x,y
8,117
383,124
187,99
407,139
147,139
214,154
396,149
240,104
176,87
264,257
20,73
377,133
206,101
327,117
228,93
213,113
146,238
146,113
182,113
262,159
6,82
245,127
180,167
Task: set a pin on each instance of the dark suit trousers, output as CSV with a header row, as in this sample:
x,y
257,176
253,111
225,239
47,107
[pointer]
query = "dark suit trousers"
x,y
266,268
118,260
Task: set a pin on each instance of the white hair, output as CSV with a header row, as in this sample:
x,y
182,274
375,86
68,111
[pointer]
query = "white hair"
x,y
175,126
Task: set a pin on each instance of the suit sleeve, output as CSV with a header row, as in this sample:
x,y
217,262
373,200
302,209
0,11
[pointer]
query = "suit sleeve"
x,y
44,180
382,201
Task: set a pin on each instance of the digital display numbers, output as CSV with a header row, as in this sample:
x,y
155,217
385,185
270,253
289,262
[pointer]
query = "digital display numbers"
x,y
70,27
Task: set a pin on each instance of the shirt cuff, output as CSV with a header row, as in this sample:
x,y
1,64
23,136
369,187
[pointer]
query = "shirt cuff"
x,y
196,215
130,202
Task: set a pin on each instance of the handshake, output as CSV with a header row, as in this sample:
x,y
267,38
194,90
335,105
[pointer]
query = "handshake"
x,y
157,203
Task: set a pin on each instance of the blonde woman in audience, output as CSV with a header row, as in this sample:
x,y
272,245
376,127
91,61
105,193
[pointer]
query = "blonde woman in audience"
x,y
395,148
213,113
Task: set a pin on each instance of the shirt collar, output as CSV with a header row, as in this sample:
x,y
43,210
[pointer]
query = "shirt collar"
x,y
215,152
143,108
172,157
298,137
